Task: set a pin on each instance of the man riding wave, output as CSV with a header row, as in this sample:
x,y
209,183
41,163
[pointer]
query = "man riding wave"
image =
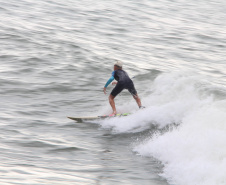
x,y
123,82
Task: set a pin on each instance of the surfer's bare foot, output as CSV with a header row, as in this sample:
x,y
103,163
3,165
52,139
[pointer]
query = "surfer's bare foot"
x,y
113,114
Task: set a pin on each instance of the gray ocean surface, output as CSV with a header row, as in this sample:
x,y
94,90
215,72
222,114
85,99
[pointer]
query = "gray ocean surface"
x,y
55,58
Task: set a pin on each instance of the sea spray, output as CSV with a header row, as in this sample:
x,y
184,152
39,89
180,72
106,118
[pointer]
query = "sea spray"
x,y
172,96
193,152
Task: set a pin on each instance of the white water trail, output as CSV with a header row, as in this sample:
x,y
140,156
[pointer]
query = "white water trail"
x,y
194,152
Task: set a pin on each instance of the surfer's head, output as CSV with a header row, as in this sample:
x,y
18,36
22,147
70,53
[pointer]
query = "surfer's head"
x,y
118,65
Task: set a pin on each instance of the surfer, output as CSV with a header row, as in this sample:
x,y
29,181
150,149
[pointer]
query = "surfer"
x,y
123,82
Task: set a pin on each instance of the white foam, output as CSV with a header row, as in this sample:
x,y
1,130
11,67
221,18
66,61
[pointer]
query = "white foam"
x,y
194,153
173,95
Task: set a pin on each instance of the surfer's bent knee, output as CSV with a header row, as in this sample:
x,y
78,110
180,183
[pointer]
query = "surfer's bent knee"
x,y
111,97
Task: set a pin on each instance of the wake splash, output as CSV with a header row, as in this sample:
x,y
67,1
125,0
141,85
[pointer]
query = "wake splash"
x,y
193,152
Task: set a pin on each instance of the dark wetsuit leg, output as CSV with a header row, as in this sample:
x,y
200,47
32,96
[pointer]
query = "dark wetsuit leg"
x,y
118,88
131,88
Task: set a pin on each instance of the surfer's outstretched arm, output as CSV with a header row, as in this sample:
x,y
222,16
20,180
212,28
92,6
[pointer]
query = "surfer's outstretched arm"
x,y
109,81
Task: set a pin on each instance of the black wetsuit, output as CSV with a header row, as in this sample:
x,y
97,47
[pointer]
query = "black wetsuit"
x,y
124,82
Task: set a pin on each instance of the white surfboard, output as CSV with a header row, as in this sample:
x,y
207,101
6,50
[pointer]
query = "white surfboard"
x,y
81,119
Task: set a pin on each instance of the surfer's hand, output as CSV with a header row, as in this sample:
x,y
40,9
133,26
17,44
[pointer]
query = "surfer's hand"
x,y
114,83
105,90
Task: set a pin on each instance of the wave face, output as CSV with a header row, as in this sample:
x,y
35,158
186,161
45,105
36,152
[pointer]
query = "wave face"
x,y
189,137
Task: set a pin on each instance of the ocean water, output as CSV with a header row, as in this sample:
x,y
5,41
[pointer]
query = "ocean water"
x,y
55,58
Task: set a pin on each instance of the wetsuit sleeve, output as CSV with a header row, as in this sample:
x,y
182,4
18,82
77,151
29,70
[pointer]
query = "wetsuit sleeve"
x,y
110,79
